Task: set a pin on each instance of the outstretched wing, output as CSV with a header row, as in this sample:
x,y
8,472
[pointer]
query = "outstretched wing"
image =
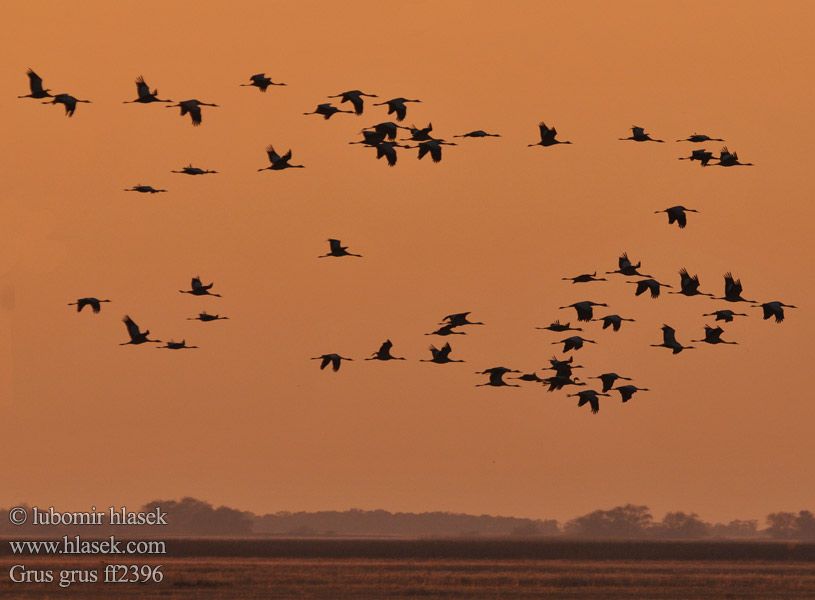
x,y
34,82
142,87
132,328
273,156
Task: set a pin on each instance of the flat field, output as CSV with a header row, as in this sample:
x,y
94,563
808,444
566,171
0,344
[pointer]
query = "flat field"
x,y
436,569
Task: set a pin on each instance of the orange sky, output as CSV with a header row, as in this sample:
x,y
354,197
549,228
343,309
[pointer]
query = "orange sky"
x,y
248,420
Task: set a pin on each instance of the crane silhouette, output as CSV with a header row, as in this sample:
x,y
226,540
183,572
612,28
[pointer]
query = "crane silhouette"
x,y
584,309
729,159
608,380
388,129
725,315
529,377
497,377
440,356
732,289
702,155
613,321
459,319
145,96
355,98
398,106
199,289
648,285
713,335
35,85
590,397
337,249
388,150
331,359
206,317
68,101
626,391
327,110
638,135
278,163
700,137
558,326
172,345
446,330
92,302
193,107
261,82
558,382
669,340
626,267
574,342
774,309
689,285
584,278
432,146
676,214
384,352
372,137
190,170
562,368
136,335
547,135
480,133
420,135
145,189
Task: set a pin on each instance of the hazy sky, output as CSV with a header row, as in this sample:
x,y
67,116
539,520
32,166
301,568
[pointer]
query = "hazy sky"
x,y
248,420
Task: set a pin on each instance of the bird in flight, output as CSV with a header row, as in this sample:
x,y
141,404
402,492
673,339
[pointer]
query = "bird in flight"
x,y
199,289
608,380
337,249
136,335
206,317
193,107
589,397
327,110
190,170
729,159
448,329
725,315
669,340
547,135
68,101
432,146
145,96
331,359
713,335
732,289
689,285
700,137
626,267
171,345
558,326
703,156
573,343
355,98
261,82
440,356
676,214
497,377
145,189
613,321
278,163
774,309
638,135
626,391
92,302
384,352
584,278
584,309
480,133
459,319
35,84
398,106
650,285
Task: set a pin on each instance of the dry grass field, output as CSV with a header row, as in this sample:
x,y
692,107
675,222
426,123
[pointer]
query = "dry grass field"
x,y
785,572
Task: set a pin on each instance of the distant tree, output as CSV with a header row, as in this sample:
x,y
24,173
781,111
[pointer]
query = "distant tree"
x,y
680,525
195,517
735,529
781,525
629,521
805,525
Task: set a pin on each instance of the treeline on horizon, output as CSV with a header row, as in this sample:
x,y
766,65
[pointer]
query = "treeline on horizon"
x,y
192,517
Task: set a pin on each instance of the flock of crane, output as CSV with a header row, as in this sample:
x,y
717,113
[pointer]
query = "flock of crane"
x,y
382,137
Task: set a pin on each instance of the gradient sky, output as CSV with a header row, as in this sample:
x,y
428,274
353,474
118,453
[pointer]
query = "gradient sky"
x,y
248,420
